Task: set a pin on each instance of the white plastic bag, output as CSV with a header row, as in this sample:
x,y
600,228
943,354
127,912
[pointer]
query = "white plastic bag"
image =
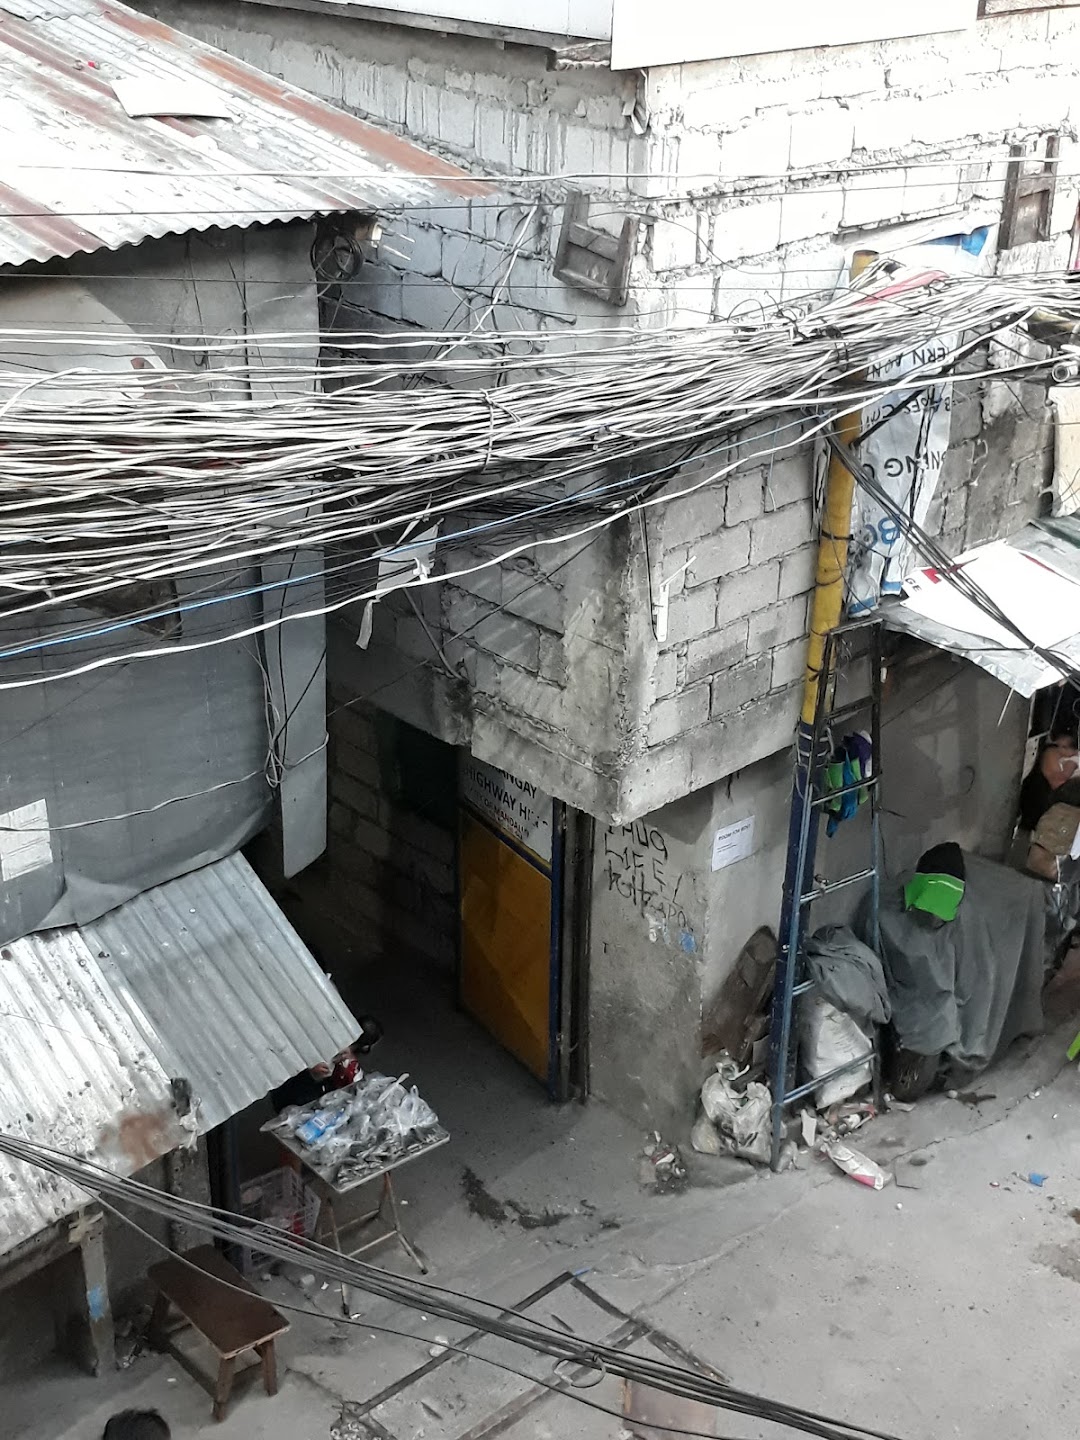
x,y
740,1117
703,1137
414,1113
829,1038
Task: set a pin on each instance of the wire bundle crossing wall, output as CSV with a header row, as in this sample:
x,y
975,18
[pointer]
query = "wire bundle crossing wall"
x,y
162,482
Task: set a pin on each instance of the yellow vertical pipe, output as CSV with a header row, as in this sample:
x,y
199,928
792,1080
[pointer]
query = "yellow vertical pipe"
x,y
827,607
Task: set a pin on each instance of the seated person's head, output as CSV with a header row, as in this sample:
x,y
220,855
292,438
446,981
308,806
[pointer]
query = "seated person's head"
x,y
137,1425
1057,758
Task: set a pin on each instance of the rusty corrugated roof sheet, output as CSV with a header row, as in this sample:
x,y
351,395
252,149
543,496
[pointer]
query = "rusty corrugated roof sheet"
x,y
75,1073
201,979
79,174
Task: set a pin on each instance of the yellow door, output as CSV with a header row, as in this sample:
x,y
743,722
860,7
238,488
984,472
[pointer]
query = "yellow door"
x,y
506,944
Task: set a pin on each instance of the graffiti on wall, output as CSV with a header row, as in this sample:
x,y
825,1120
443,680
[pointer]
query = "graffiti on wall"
x,y
637,867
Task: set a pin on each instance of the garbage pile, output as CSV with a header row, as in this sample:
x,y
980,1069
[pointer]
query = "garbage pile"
x,y
374,1122
735,1117
836,1022
663,1169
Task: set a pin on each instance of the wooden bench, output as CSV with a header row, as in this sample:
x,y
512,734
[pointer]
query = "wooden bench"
x,y
231,1321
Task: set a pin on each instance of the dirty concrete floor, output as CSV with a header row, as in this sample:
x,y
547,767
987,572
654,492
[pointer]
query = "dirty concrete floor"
x,y
941,1308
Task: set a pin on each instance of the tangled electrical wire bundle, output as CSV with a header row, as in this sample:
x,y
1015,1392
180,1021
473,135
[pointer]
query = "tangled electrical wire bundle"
x,y
183,475
565,1349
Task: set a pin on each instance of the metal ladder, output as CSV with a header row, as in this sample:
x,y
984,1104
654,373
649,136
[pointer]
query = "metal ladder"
x,y
809,799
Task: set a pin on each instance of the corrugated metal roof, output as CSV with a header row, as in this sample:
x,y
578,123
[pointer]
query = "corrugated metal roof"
x,y
234,998
202,978
1035,579
79,174
76,1073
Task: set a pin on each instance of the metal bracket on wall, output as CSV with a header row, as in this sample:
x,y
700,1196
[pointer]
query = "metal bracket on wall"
x,y
590,258
1028,200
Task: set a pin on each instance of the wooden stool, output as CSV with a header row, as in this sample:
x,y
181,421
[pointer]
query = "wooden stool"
x,y
229,1321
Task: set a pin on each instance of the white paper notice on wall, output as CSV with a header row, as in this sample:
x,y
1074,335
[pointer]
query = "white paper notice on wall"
x,y
733,843
25,840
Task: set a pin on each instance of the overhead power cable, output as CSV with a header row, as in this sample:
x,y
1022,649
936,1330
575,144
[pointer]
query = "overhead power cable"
x,y
444,1304
156,485
980,153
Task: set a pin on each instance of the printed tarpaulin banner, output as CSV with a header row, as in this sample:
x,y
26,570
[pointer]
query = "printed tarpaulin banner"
x,y
906,436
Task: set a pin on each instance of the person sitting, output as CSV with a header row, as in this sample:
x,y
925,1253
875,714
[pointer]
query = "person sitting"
x,y
937,886
311,1085
1053,779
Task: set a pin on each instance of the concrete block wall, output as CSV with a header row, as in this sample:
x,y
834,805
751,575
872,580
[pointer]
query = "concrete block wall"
x,y
736,561
533,671
660,951
998,470
388,872
741,151
742,201
498,110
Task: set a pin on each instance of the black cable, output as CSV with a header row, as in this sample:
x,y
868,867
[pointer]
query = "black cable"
x,y
426,1297
567,1390
943,562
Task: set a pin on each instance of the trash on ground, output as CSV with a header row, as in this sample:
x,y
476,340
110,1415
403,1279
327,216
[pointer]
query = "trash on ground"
x,y
739,1020
809,1128
662,1168
891,1103
854,1163
738,1116
650,1413
1037,1178
829,1039
842,1119
788,1159
703,1137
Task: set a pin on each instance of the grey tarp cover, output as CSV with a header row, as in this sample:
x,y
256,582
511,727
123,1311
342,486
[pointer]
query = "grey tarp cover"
x,y
133,739
848,974
127,740
969,988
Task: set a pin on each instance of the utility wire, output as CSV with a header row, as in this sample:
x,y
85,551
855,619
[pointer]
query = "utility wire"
x,y
997,153
513,1327
365,698
953,574
156,492
566,1389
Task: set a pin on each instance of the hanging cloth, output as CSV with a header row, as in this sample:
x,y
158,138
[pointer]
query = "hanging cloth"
x,y
852,761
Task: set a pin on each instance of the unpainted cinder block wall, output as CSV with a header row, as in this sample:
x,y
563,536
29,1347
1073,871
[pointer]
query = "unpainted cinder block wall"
x,y
549,664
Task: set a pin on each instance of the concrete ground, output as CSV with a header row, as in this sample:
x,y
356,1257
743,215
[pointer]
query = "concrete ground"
x,y
939,1306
